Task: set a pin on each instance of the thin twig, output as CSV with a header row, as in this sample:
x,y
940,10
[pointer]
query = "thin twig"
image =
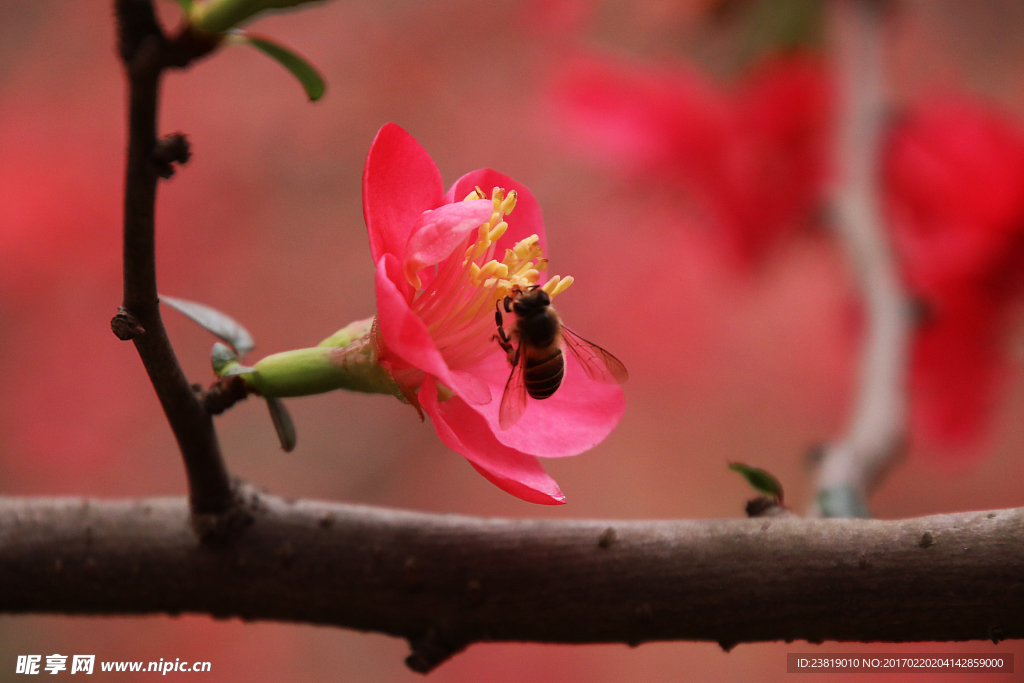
x,y
876,434
146,53
444,581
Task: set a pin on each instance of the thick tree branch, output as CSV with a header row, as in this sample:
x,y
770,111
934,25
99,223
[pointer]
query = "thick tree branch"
x,y
146,53
877,430
444,582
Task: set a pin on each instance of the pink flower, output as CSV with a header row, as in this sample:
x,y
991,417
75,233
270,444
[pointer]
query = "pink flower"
x,y
955,180
443,261
955,175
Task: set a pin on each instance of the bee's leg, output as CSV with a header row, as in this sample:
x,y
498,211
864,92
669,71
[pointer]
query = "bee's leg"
x,y
500,336
504,342
508,304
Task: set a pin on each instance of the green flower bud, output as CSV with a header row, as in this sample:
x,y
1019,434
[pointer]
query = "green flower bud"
x,y
345,360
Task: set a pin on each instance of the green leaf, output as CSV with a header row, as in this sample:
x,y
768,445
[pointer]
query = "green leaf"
x,y
221,325
186,6
283,424
308,76
761,480
217,16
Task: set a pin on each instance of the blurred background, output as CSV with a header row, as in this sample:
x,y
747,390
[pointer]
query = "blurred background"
x,y
680,152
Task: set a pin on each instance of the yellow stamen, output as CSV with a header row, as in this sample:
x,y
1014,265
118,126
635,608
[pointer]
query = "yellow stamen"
x,y
509,202
498,231
458,304
563,285
550,285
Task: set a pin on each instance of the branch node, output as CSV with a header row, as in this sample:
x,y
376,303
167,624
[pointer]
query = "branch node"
x,y
763,506
169,150
136,22
147,58
431,650
607,538
727,645
126,326
188,45
219,529
222,394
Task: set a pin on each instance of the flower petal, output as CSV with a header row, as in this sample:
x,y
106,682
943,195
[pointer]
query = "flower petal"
x,y
407,337
525,220
436,233
463,430
400,182
577,417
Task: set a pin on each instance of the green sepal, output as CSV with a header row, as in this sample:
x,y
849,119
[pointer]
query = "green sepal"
x,y
311,80
220,324
762,481
283,424
237,369
316,370
349,333
217,16
221,357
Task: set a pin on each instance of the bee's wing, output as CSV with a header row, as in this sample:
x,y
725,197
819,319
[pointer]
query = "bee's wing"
x,y
599,365
513,401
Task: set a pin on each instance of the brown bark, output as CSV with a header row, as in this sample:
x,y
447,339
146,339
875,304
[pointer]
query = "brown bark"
x,y
146,53
444,581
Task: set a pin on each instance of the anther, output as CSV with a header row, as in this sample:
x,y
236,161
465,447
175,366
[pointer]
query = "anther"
x,y
509,202
561,286
498,231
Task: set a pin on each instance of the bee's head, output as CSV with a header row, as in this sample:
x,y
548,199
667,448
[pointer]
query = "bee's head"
x,y
530,302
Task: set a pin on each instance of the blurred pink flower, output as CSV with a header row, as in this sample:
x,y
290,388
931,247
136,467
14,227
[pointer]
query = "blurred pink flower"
x,y
955,180
437,284
754,160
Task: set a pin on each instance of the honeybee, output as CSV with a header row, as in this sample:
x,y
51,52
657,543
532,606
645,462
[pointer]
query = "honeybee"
x,y
538,362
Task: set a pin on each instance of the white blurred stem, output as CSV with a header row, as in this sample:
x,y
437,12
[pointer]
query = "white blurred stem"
x,y
875,435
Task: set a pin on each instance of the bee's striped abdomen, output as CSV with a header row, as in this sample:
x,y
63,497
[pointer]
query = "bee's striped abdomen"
x,y
542,376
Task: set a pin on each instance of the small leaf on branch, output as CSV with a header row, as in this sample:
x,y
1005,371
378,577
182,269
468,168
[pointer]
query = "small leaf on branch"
x,y
221,357
308,76
762,481
221,325
217,16
283,424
